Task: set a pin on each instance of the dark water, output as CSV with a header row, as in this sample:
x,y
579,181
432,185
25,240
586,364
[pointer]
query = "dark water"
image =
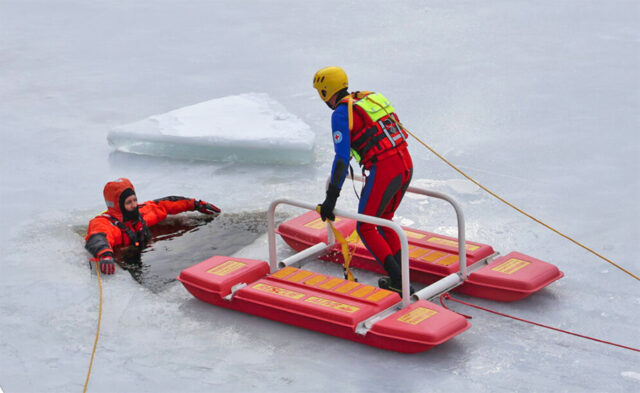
x,y
186,239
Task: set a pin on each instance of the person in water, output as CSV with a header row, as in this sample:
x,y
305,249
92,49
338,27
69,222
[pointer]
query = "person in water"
x,y
126,223
365,126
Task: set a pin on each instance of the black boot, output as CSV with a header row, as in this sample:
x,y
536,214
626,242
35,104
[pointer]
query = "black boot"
x,y
394,281
398,257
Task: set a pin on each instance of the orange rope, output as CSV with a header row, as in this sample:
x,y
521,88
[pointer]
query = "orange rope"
x,y
504,201
518,209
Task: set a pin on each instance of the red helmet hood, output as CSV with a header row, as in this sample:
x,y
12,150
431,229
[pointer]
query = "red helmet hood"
x,y
112,192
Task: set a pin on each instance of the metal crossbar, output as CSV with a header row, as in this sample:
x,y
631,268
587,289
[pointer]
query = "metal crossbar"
x,y
432,290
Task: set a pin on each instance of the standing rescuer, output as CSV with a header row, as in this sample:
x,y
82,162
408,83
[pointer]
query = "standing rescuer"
x,y
126,223
366,127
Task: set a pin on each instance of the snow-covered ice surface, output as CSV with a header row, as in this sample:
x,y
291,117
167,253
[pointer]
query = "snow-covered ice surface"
x,y
244,128
537,100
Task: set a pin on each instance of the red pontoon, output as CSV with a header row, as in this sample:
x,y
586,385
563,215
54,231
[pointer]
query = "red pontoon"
x,y
432,256
280,291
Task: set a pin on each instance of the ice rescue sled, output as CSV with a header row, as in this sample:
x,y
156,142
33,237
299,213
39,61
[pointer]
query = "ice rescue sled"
x,y
432,256
282,291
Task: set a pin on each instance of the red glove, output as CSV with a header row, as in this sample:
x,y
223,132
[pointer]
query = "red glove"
x,y
206,208
106,263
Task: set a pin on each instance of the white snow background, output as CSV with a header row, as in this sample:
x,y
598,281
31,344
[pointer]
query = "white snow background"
x,y
538,100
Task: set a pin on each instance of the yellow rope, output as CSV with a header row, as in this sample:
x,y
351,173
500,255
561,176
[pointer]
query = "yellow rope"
x,y
95,342
501,199
346,252
518,209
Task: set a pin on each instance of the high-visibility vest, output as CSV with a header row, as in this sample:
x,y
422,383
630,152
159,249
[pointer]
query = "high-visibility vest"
x,y
381,134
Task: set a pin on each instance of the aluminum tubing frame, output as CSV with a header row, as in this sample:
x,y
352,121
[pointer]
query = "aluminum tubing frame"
x,y
273,258
462,252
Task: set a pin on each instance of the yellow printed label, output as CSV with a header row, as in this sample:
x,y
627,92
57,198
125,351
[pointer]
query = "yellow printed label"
x,y
318,223
284,272
452,243
331,283
347,287
226,268
315,279
364,291
415,252
331,304
417,315
448,260
278,291
381,294
511,266
432,256
414,235
301,275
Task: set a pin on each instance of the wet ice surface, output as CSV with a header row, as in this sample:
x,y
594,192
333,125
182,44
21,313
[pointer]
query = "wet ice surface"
x,y
539,101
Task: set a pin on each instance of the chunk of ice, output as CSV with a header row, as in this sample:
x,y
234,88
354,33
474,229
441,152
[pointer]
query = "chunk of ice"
x,y
250,127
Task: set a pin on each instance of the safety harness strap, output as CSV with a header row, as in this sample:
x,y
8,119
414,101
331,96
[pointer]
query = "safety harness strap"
x,y
136,240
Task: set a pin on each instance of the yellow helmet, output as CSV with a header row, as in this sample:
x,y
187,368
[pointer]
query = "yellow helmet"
x,y
330,80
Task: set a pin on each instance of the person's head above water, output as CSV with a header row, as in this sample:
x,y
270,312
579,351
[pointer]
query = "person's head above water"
x,y
121,200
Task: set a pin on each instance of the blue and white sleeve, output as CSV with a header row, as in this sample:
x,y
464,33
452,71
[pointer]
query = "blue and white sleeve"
x,y
341,144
